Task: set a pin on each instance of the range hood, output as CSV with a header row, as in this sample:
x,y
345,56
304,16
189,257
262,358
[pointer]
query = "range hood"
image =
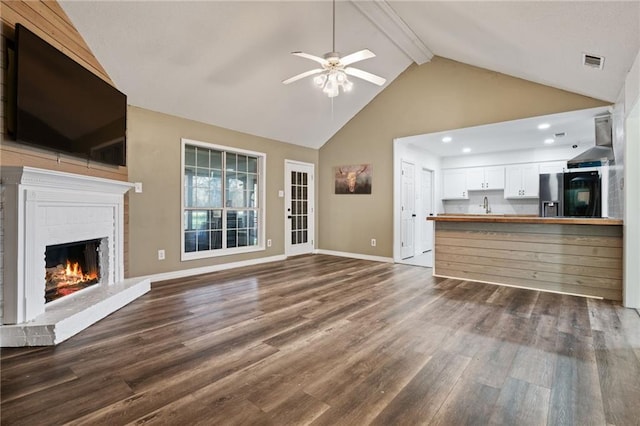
x,y
602,153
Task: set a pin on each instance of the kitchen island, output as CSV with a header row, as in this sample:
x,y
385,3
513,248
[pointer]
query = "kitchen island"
x,y
569,255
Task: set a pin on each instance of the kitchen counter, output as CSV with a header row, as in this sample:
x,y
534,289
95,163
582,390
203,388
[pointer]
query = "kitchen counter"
x,y
549,254
506,218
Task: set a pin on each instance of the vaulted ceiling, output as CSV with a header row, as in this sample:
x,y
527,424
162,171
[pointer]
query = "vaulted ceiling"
x,y
222,62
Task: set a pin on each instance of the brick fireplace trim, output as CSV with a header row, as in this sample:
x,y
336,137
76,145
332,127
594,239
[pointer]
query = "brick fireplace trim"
x,y
44,207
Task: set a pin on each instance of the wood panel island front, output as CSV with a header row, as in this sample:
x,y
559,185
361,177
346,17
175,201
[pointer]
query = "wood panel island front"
x,y
581,256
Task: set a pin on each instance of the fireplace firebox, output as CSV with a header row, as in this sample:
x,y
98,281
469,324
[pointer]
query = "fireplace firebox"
x,y
71,267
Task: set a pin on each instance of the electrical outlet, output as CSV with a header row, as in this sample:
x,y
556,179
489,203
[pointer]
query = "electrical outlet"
x,y
373,242
160,254
138,187
269,243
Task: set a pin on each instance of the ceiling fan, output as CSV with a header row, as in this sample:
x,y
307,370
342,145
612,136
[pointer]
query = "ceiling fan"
x,y
333,74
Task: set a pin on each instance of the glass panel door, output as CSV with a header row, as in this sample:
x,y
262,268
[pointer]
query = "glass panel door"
x,y
299,208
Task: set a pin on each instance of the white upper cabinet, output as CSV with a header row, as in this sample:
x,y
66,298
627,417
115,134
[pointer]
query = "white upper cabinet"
x,y
494,177
483,178
531,180
454,184
553,167
475,179
513,182
522,181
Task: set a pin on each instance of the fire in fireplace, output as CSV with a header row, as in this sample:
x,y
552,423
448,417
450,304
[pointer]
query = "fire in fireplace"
x,y
71,267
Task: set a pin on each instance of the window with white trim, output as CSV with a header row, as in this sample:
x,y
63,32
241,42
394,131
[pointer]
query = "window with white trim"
x,y
222,200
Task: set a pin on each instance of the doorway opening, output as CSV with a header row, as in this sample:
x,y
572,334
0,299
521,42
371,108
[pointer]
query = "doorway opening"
x,y
414,189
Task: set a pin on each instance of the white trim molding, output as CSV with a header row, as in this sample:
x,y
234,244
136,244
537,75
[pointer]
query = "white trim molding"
x,y
382,15
355,255
209,269
260,208
631,280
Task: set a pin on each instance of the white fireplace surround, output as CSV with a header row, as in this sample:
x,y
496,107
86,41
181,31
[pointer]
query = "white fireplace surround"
x,y
44,207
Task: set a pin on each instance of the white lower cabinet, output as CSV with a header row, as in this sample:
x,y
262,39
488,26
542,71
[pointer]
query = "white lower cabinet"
x,y
522,181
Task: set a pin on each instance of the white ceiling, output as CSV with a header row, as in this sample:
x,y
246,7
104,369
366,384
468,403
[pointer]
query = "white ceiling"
x,y
222,62
515,135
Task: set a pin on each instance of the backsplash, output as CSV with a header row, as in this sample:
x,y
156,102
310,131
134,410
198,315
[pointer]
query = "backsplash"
x,y
497,204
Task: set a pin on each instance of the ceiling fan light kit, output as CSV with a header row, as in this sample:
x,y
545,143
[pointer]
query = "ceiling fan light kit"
x,y
333,78
333,75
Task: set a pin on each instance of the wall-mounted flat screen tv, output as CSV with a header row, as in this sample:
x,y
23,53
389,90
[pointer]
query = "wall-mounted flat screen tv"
x,y
63,107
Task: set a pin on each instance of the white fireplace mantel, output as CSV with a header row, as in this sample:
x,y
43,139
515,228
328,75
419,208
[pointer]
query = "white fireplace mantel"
x,y
40,178
45,207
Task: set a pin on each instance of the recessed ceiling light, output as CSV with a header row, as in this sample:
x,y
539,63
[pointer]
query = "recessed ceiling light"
x,y
466,150
447,139
544,126
549,141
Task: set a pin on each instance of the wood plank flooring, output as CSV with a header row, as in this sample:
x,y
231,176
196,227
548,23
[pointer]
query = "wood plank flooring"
x,y
325,340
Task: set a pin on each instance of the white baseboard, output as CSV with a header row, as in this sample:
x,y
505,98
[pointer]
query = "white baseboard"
x,y
355,255
224,266
213,268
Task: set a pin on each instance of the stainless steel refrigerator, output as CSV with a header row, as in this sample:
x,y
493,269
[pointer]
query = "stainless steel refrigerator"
x,y
571,194
551,194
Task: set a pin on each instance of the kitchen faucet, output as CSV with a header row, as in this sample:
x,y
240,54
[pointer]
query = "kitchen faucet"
x,y
485,205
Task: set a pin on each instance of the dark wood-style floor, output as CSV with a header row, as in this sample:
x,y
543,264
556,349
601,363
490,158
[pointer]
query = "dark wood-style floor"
x,y
328,340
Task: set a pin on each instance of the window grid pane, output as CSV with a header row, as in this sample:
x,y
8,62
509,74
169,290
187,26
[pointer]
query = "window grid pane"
x,y
220,198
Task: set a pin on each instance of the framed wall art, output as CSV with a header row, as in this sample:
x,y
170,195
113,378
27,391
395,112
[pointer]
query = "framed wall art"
x,y
353,179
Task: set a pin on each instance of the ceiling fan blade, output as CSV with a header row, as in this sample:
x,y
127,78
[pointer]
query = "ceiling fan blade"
x,y
357,56
302,75
318,59
371,78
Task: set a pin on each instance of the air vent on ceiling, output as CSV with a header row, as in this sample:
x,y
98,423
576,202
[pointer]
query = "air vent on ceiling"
x,y
560,134
592,61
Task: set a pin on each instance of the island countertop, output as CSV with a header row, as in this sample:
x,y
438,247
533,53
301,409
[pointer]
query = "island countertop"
x,y
580,256
499,218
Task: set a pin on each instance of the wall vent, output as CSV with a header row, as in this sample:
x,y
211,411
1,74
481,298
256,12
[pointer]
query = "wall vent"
x,y
592,61
560,134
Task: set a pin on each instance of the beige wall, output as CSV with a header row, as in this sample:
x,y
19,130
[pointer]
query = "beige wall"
x,y
154,143
436,96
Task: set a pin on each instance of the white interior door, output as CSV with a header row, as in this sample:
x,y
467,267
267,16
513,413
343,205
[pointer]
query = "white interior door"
x,y
408,210
426,227
299,208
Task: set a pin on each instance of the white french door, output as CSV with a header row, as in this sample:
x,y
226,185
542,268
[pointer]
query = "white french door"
x,y
299,208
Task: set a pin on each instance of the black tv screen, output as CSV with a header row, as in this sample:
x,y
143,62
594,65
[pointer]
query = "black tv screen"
x,y
65,108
